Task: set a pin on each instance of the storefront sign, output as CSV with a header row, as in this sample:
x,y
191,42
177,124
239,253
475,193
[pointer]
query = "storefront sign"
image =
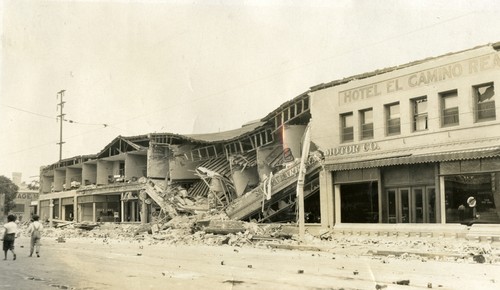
x,y
24,195
422,78
352,149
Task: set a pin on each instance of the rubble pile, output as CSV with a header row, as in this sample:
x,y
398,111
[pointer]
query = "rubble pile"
x,y
218,229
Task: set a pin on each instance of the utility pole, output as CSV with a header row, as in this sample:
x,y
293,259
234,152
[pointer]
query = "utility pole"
x,y
61,118
301,181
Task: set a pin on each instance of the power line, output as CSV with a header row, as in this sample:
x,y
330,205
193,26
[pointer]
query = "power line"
x,y
55,118
271,75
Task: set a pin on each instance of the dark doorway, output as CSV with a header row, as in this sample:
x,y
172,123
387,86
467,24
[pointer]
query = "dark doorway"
x,y
359,202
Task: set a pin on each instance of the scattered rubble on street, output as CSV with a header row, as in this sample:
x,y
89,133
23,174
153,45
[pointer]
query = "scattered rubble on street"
x,y
216,229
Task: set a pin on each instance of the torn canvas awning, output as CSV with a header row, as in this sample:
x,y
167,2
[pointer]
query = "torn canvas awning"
x,y
423,158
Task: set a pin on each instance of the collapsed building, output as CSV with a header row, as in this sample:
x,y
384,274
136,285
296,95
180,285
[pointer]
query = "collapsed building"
x,y
250,173
409,148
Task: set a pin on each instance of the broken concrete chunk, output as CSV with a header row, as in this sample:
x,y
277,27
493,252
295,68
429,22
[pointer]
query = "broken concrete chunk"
x,y
403,282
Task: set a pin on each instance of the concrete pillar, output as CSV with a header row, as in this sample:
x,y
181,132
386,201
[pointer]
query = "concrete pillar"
x,y
144,212
442,200
51,212
93,212
122,209
75,210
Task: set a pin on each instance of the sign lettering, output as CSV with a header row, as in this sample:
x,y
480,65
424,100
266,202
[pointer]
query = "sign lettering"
x,y
422,78
352,149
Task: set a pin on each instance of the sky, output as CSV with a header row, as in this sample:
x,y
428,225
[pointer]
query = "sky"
x,y
135,67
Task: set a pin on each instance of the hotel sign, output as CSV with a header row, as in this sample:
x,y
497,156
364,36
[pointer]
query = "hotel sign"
x,y
352,149
426,77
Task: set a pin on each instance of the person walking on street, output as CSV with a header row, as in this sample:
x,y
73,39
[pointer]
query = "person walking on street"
x,y
9,235
35,230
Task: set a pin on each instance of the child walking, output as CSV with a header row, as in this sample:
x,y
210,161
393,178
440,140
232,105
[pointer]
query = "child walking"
x,y
9,235
35,229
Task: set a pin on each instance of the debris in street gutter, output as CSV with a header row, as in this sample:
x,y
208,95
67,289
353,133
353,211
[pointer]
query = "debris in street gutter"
x,y
402,282
479,259
234,282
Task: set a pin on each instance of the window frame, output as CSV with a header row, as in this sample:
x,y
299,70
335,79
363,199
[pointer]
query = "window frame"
x,y
363,125
416,114
444,114
475,94
388,119
344,129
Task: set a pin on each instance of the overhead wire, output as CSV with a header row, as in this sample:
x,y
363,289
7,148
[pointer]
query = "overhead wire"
x,y
268,76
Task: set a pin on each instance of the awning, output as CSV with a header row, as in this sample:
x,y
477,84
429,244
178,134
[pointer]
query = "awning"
x,y
218,164
199,188
415,159
248,159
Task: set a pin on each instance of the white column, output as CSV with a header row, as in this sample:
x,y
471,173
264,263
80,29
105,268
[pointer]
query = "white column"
x,y
51,212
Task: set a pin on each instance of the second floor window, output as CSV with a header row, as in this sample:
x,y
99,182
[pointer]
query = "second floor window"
x,y
420,114
347,121
366,124
449,105
485,102
393,119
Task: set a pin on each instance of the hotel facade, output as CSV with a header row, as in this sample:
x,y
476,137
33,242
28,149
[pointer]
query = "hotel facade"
x,y
414,144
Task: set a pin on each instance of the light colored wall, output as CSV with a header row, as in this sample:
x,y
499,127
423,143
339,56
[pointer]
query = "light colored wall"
x,y
293,138
89,172
262,167
242,179
104,169
46,183
135,166
59,179
73,174
180,167
157,161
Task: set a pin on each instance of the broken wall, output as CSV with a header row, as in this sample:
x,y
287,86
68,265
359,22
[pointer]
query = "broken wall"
x,y
180,166
246,178
263,168
292,138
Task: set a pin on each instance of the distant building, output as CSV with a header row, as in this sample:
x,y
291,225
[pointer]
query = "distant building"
x,y
25,196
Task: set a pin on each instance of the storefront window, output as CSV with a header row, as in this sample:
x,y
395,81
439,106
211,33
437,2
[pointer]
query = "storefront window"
x,y
359,202
464,190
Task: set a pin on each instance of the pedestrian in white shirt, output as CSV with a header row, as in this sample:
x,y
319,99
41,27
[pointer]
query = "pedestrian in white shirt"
x,y
35,230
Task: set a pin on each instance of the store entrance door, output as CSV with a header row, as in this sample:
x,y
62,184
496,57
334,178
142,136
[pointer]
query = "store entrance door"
x,y
411,204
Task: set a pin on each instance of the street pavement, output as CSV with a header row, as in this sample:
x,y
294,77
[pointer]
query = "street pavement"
x,y
99,263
